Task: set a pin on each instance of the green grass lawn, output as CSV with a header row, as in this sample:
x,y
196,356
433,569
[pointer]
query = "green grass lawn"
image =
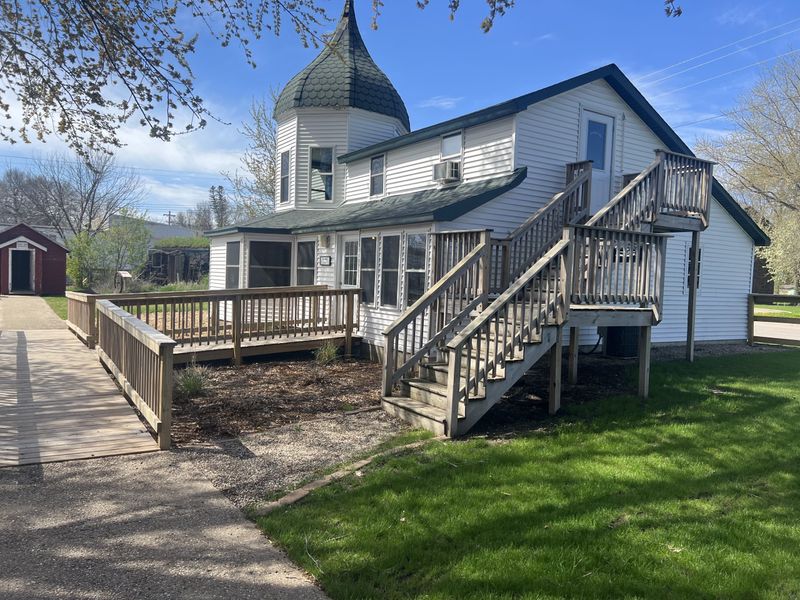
x,y
777,310
694,493
58,304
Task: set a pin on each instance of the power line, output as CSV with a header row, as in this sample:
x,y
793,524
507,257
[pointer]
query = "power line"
x,y
709,52
724,56
707,79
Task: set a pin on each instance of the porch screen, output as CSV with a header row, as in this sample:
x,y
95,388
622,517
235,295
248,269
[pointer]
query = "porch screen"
x,y
368,252
270,264
306,252
232,253
415,267
390,267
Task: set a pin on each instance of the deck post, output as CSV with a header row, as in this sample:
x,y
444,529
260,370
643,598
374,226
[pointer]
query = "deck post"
x,y
644,362
165,377
453,390
554,398
574,347
348,332
694,259
751,311
236,322
484,266
388,363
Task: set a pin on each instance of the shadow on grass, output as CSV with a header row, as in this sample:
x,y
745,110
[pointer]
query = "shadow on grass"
x,y
692,493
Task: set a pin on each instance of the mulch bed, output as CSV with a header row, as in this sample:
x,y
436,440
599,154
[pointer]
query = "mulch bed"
x,y
258,396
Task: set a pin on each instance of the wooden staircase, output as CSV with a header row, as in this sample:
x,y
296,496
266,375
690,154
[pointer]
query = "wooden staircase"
x,y
454,353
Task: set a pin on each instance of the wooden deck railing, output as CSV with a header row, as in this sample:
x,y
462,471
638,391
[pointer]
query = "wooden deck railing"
x,y
199,320
536,299
618,267
140,358
528,242
673,184
427,323
776,301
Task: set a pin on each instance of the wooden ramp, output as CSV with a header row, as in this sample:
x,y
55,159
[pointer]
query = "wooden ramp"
x,y
57,403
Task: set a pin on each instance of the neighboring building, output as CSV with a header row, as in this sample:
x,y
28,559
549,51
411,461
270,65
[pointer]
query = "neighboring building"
x,y
31,262
159,231
359,195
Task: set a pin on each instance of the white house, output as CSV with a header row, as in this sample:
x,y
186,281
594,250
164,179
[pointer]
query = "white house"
x,y
365,202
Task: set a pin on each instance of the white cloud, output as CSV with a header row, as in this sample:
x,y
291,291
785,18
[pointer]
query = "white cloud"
x,y
742,14
441,102
546,37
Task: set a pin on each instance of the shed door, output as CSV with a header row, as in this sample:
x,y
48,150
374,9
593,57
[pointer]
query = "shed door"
x,y
21,270
597,141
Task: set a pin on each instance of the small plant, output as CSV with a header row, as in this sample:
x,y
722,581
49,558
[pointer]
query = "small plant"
x,y
192,381
326,354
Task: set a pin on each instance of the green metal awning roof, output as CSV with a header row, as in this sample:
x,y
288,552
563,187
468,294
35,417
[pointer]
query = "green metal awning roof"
x,y
438,204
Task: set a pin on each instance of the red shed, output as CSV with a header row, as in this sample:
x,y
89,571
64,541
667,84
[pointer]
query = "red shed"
x,y
30,262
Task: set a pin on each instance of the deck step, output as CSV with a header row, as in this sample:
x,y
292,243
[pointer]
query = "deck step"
x,y
416,413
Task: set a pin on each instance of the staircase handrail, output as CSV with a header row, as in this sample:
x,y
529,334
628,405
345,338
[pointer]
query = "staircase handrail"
x,y
461,290
604,217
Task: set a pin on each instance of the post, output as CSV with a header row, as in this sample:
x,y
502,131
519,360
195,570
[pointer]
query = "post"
x,y
165,375
484,267
574,348
505,273
554,399
348,331
236,322
91,335
660,183
751,311
694,258
388,363
453,390
566,265
644,362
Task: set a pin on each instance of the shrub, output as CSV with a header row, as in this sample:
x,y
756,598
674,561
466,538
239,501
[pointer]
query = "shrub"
x,y
183,242
192,381
326,354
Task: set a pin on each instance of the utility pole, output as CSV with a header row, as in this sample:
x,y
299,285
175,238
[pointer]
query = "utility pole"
x,y
169,216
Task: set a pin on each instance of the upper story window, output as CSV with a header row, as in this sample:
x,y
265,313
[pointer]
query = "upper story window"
x,y
377,171
284,188
451,146
232,254
321,176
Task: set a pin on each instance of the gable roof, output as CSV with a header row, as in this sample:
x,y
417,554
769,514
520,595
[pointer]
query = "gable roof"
x,y
438,204
342,75
620,84
8,232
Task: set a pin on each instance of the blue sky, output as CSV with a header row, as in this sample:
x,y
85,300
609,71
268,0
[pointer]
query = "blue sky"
x,y
691,68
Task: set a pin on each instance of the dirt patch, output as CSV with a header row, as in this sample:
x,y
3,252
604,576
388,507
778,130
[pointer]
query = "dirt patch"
x,y
257,396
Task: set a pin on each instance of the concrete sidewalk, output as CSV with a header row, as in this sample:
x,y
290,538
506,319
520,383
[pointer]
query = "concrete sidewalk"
x,y
145,526
19,313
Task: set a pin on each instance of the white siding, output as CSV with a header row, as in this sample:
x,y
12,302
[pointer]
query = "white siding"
x,y
320,128
367,128
287,142
326,246
216,262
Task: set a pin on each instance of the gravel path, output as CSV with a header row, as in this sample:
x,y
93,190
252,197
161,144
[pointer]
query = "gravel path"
x,y
27,312
249,468
146,526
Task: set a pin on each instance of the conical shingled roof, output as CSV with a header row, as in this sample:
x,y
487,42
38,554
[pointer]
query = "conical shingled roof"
x,y
343,74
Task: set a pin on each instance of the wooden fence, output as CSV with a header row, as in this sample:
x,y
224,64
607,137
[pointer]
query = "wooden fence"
x,y
140,358
786,328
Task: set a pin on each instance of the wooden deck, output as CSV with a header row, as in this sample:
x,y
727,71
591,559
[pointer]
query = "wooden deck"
x,y
58,403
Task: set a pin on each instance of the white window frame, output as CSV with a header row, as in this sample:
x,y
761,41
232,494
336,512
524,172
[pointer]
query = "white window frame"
x,y
382,175
343,240
238,265
332,173
285,185
460,154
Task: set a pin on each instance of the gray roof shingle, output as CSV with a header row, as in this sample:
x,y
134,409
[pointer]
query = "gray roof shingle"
x,y
437,204
343,75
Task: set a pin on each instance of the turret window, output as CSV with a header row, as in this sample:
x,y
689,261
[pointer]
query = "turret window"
x,y
284,177
377,169
321,180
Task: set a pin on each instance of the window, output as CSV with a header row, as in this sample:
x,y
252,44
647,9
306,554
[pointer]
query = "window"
x,y
321,181
596,144
350,263
270,264
232,253
689,267
377,167
415,267
451,146
284,177
390,266
306,255
368,254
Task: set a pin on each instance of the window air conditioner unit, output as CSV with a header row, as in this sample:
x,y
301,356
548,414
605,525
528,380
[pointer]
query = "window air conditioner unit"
x,y
447,171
